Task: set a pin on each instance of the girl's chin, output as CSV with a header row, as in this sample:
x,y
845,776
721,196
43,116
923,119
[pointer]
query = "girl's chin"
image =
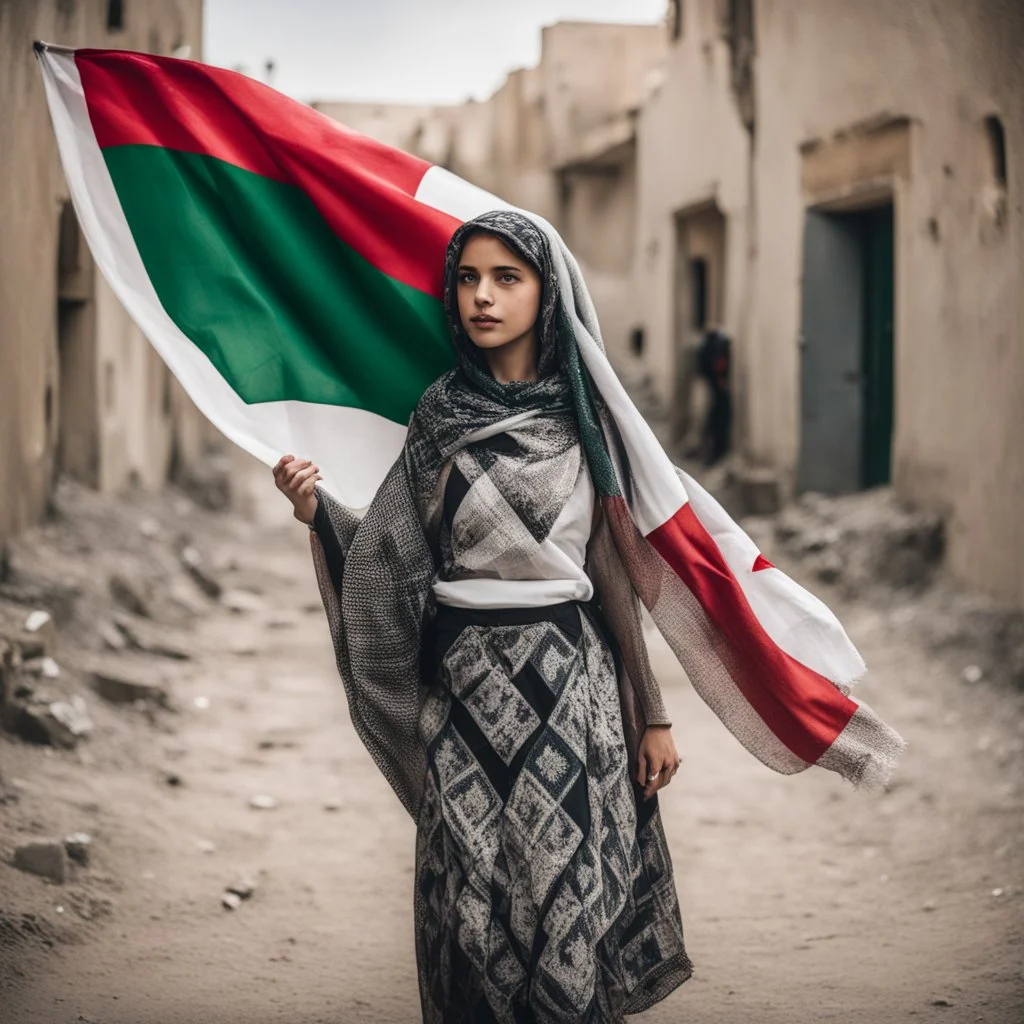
x,y
482,340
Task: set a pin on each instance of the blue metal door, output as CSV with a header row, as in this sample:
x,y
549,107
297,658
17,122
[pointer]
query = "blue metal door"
x,y
831,360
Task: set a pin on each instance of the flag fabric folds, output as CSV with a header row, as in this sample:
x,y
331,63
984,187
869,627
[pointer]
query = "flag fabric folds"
x,y
289,272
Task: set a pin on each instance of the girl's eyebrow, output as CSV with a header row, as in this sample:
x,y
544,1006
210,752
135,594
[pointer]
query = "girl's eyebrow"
x,y
467,266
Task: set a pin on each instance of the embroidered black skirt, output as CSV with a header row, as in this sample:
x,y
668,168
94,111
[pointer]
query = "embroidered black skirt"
x,y
544,888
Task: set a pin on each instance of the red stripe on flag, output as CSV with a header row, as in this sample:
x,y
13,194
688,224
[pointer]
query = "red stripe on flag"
x,y
804,709
761,563
363,189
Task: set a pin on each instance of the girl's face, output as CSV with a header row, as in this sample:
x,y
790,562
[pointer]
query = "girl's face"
x,y
499,293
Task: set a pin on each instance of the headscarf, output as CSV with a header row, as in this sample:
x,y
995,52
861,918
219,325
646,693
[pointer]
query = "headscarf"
x,y
526,240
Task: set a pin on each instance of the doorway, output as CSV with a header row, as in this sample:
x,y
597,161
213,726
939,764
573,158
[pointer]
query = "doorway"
x,y
699,290
847,341
77,411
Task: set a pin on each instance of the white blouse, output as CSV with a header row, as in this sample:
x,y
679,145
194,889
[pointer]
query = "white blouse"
x,y
554,573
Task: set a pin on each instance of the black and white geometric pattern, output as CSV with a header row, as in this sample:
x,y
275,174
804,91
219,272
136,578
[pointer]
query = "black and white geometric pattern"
x,y
503,495
544,890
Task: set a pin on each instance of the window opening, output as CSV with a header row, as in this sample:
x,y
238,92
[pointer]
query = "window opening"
x,y
675,19
115,15
997,148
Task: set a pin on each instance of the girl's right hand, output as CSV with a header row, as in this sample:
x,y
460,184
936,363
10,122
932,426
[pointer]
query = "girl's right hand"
x,y
296,480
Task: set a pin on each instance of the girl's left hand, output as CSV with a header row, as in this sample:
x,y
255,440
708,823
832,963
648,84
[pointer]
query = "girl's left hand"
x,y
657,756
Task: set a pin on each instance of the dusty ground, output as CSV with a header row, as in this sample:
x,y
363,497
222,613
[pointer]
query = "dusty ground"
x,y
802,899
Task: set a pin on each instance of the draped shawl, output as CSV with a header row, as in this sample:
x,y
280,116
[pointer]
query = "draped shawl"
x,y
770,660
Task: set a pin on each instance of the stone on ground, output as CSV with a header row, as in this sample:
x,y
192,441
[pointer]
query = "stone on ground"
x,y
47,859
122,688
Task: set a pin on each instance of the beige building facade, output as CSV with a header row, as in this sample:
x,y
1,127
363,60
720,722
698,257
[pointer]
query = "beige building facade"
x,y
839,185
598,77
81,390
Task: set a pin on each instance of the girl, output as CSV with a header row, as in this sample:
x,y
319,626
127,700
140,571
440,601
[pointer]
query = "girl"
x,y
485,616
544,887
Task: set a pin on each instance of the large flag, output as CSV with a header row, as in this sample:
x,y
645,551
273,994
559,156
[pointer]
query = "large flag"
x,y
287,269
289,272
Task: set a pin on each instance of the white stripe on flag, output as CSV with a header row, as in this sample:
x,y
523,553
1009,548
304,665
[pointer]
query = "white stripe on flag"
x,y
447,192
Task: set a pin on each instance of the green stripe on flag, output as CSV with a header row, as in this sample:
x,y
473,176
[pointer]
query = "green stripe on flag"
x,y
252,275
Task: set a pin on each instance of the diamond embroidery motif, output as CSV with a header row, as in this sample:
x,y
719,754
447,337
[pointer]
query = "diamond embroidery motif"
x,y
504,716
552,764
554,659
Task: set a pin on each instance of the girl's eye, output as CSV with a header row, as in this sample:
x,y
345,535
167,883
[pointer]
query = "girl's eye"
x,y
466,276
509,278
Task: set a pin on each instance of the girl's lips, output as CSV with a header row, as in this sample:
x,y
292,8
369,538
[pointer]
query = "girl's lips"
x,y
485,325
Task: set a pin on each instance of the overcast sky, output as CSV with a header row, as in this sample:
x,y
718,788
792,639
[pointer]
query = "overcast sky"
x,y
420,51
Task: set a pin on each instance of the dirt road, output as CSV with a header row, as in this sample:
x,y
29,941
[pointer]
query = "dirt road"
x,y
802,899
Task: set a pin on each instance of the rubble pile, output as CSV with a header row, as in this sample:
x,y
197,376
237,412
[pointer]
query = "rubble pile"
x,y
870,547
98,606
208,483
987,637
95,604
863,540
